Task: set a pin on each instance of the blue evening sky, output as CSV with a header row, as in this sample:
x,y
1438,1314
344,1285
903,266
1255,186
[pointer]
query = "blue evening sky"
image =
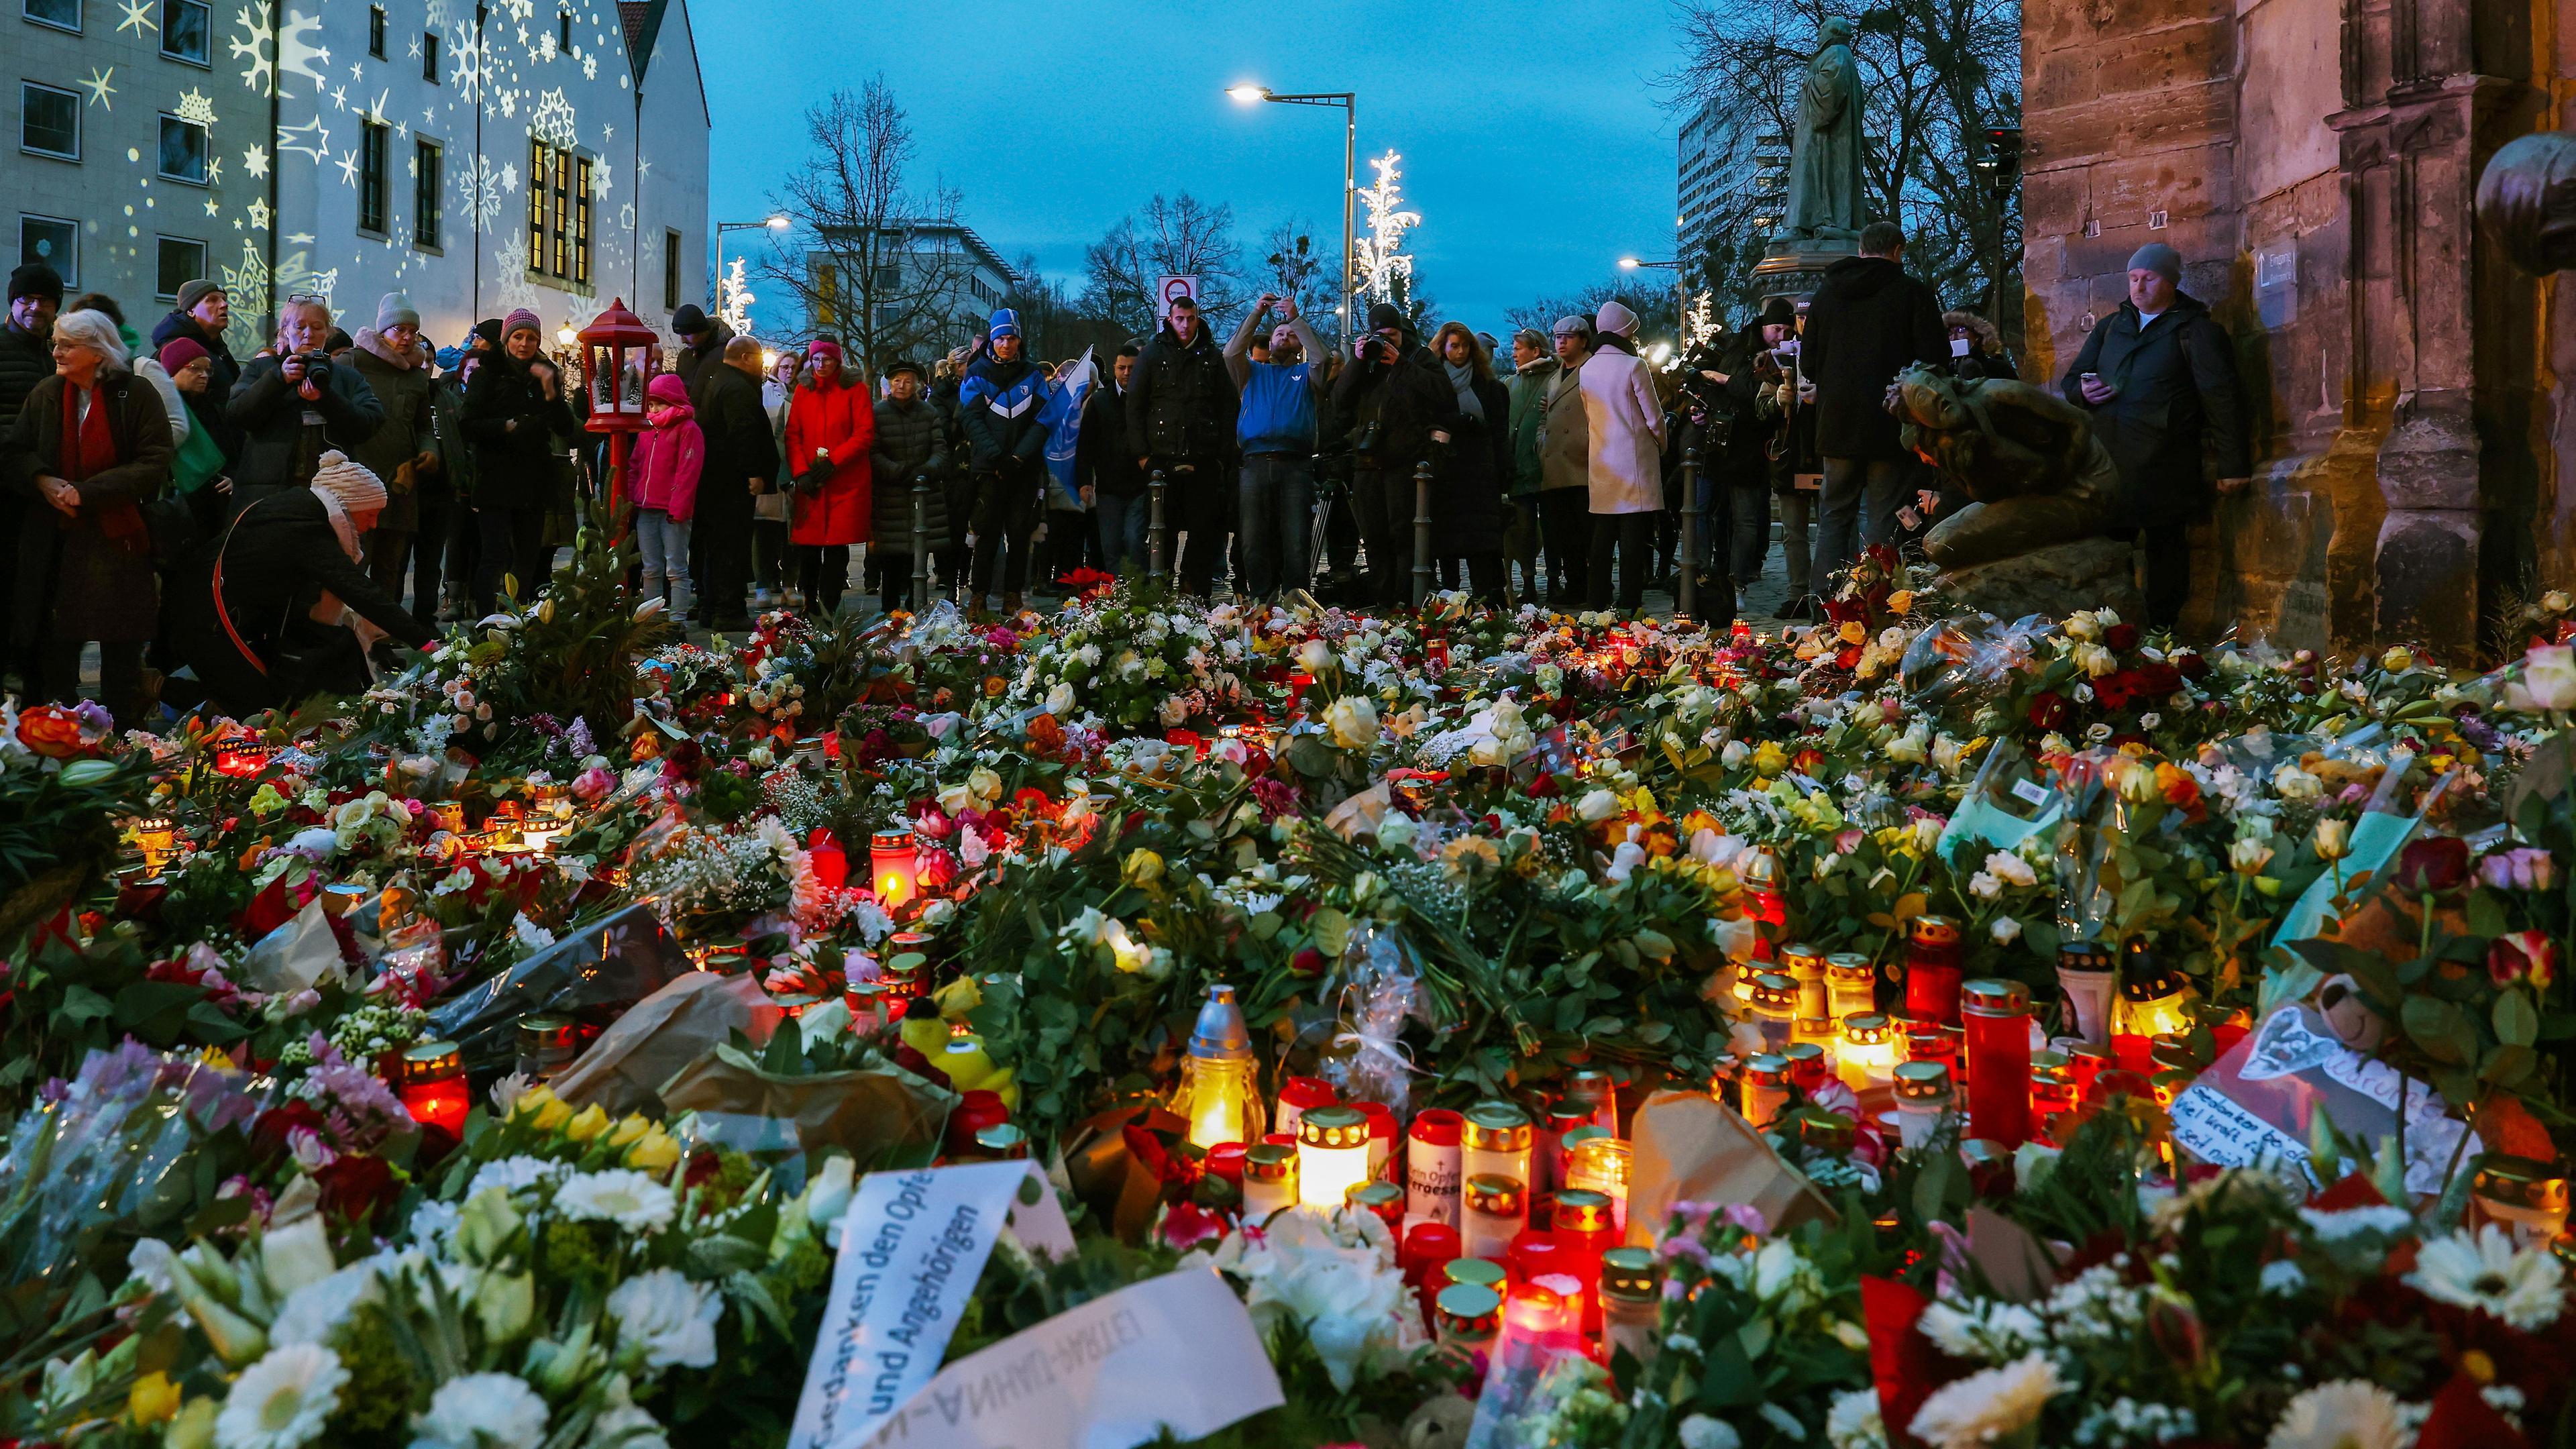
x,y
1533,140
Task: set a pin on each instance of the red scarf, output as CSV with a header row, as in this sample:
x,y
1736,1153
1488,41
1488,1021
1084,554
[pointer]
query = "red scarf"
x,y
89,448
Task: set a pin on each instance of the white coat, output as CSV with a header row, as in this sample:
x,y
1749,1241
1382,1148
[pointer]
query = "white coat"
x,y
1627,426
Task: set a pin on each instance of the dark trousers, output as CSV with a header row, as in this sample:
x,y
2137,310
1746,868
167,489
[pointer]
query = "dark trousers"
x,y
464,547
1633,535
120,677
1068,541
1565,531
509,541
1382,500
722,541
1482,573
769,553
1858,510
429,552
389,554
1006,513
1197,494
1520,544
1275,522
1120,523
2168,550
822,572
1751,529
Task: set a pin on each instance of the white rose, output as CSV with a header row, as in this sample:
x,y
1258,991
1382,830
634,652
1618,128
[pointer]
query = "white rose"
x,y
2292,783
2548,679
955,799
1353,721
1314,655
985,784
1734,755
1597,806
2006,930
2095,660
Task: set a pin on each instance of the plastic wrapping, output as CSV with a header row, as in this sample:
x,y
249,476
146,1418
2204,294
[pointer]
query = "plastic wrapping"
x,y
613,962
1971,657
1381,987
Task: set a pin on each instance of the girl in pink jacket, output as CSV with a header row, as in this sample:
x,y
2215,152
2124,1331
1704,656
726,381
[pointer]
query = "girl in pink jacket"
x,y
665,467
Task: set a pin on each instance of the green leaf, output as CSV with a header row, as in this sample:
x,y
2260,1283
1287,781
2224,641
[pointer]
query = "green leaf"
x,y
2517,1021
2433,1024
82,1004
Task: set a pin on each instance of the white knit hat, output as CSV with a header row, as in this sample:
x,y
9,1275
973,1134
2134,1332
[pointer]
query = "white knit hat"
x,y
1614,317
357,489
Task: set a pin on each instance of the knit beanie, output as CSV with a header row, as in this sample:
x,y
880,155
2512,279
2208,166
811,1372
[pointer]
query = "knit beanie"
x,y
519,318
1382,315
689,320
2159,258
449,358
1005,323
1615,317
393,310
489,329
178,352
35,279
191,293
823,347
357,489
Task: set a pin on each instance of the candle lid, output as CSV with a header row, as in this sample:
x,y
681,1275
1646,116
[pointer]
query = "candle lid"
x,y
2522,1182
1933,930
1269,1162
1850,968
1379,1197
2171,1052
1992,996
1631,1275
1436,1127
1491,1192
1333,1125
1564,1117
1775,992
1305,1092
1576,1137
2082,956
1004,1139
546,1031
1587,1084
1581,1210
1497,1127
1922,1081
1470,1310
1220,1034
1867,1028
1802,961
1484,1272
1803,1054
1226,1160
1767,1070
894,839
432,1061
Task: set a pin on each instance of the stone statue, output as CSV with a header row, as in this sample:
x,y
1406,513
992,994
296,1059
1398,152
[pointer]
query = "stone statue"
x,y
2044,489
2527,198
1824,151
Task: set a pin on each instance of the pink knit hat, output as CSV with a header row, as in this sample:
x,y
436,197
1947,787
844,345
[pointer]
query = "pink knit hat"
x,y
823,347
522,318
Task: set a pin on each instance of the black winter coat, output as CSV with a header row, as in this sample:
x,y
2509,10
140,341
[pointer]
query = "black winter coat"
x,y
1405,399
278,558
912,438
1868,322
1745,461
1470,473
1103,457
268,413
25,360
697,365
2177,420
223,370
1181,403
514,468
741,446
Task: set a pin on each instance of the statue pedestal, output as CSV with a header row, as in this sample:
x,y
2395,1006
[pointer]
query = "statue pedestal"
x,y
1794,267
2055,580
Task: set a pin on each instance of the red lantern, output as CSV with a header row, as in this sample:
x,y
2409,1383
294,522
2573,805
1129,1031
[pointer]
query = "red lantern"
x,y
619,355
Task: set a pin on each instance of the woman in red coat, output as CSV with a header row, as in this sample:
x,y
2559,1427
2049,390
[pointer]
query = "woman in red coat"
x,y
830,424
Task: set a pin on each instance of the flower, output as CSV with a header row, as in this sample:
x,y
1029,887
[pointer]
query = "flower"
x,y
2434,865
2344,1414
482,1411
2521,956
1975,1411
671,1318
2519,869
1142,868
2548,680
1853,1422
627,1198
2483,1270
1597,806
281,1401
2248,857
2334,839
1353,722
2011,869
2005,930
1337,1278
1699,1431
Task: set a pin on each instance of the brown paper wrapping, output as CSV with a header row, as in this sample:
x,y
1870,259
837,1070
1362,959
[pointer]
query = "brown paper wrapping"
x,y
623,1071
867,1113
1686,1147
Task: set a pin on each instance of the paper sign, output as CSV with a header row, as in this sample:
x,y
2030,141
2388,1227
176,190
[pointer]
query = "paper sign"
x,y
2261,1099
1176,1353
912,1246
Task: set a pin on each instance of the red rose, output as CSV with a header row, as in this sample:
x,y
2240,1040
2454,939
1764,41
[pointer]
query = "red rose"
x,y
2121,636
1308,963
2190,663
2050,710
354,1185
2523,956
2437,865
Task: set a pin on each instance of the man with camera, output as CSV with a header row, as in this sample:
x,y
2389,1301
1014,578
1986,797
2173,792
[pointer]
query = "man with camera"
x,y
1393,393
294,405
1277,433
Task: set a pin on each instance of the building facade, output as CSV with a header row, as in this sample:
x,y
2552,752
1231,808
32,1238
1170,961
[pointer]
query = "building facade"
x,y
931,285
2316,162
547,154
1734,170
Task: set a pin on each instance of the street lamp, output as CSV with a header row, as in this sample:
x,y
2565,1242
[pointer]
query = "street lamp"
x,y
777,221
1250,95
1681,307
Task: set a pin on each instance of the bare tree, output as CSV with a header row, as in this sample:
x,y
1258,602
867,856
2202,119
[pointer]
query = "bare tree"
x,y
1057,325
1654,309
1170,237
882,265
1937,73
1293,267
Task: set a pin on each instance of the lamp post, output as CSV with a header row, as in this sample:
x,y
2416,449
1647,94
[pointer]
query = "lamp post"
x,y
1349,102
619,356
1681,305
776,222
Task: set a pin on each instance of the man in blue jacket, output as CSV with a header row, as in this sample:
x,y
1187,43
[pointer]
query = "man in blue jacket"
x,y
1276,428
998,406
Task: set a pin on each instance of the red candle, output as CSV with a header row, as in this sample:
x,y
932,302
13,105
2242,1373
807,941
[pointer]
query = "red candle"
x,y
1382,1135
1932,969
1429,1248
1226,1160
1297,1096
1997,1017
831,863
1586,1228
433,1089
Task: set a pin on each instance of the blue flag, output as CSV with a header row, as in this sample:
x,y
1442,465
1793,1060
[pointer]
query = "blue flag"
x,y
1062,415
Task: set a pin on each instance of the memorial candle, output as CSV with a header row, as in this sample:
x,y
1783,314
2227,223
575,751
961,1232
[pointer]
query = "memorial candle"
x,y
433,1087
1932,969
1851,984
1332,1155
1997,1018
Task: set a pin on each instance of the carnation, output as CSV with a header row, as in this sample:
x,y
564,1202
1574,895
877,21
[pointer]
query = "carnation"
x,y
481,1411
2345,1414
629,1199
1975,1411
671,1318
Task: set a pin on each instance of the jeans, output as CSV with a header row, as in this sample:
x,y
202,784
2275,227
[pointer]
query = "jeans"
x,y
1121,524
1382,500
510,541
822,572
1749,532
665,542
1565,530
1859,510
1633,534
1278,523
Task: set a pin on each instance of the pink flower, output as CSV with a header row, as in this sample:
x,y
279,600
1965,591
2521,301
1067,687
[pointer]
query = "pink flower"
x,y
593,785
2520,870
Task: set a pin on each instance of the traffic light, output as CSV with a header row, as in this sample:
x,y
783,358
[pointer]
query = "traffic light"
x,y
2000,155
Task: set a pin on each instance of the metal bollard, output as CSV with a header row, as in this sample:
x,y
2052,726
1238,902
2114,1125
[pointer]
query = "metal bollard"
x,y
1421,533
920,545
1155,542
1686,578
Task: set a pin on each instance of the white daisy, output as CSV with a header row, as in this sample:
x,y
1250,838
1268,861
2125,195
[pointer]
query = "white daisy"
x,y
281,1401
2486,1272
629,1199
2345,1414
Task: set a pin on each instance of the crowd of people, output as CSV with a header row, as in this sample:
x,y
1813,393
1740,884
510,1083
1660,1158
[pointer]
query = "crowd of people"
x,y
251,531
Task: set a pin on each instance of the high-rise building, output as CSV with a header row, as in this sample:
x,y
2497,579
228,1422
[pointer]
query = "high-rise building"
x,y
1734,172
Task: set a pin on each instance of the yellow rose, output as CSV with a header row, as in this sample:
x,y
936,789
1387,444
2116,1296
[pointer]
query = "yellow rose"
x,y
592,1121
1769,758
152,1399
629,1127
541,1108
1853,631
1901,601
654,1152
1143,868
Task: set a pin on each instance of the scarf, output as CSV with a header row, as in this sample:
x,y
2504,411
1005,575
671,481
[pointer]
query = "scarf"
x,y
1462,377
89,449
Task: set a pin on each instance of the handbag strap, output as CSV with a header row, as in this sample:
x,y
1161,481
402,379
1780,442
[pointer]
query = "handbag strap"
x,y
224,615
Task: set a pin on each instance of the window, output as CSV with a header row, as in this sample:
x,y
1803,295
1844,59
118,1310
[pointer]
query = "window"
x,y
61,14
558,213
670,271
563,32
54,242
429,56
184,31
48,121
374,137
428,179
376,31
183,150
182,261
889,276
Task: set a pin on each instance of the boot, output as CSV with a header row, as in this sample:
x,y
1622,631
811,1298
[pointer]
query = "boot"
x,y
1010,604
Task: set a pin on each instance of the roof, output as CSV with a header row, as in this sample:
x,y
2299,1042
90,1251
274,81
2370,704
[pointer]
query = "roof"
x,y
966,238
643,22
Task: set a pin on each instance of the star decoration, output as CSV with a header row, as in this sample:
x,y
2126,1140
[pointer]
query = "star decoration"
x,y
340,97
99,89
255,160
212,209
214,170
644,168
355,73
415,47
259,212
194,106
348,164
138,17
